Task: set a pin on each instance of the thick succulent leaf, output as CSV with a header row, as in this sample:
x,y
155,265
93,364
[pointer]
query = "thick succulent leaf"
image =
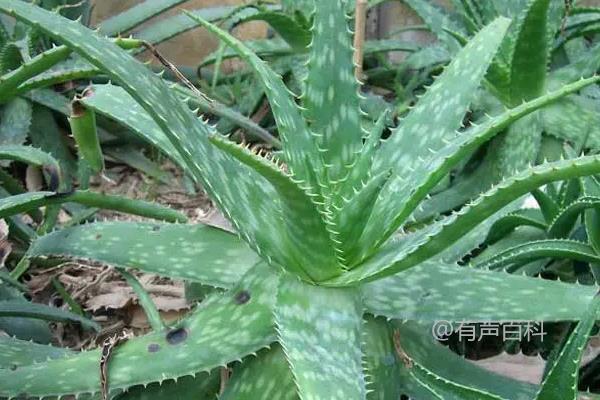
x,y
15,122
565,220
439,113
508,223
331,96
239,194
592,228
23,309
530,53
443,389
585,65
361,170
402,195
319,330
136,15
31,200
436,291
198,253
47,135
29,155
200,386
297,140
50,99
69,70
10,81
17,353
560,383
548,206
518,147
23,328
287,27
240,321
575,119
381,363
550,248
79,69
422,347
409,250
353,214
310,251
266,376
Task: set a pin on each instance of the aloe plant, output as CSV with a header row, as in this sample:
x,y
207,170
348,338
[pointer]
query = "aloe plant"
x,y
529,62
326,239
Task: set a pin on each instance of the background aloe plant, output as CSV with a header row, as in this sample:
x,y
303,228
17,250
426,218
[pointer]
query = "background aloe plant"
x,y
328,238
536,55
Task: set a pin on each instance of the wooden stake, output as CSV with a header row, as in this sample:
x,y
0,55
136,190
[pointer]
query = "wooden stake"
x,y
360,25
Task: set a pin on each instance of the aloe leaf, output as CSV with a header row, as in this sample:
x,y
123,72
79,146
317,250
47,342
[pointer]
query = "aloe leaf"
x,y
505,225
548,206
85,132
436,117
403,194
70,70
23,328
297,141
287,27
214,107
50,99
46,63
554,248
592,228
319,330
530,53
417,341
353,214
17,353
518,147
574,119
133,156
429,241
136,15
115,103
198,253
29,155
442,388
80,69
37,65
24,202
310,251
585,65
330,98
201,386
23,309
15,122
381,363
564,222
562,378
421,293
145,301
46,135
264,376
187,134
240,320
